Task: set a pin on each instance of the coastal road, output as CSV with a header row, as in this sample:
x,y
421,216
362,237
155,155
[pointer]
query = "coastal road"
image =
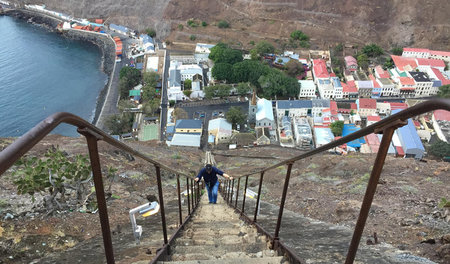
x,y
164,97
112,96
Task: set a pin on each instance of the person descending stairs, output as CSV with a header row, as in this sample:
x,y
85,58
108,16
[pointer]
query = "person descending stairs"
x,y
215,234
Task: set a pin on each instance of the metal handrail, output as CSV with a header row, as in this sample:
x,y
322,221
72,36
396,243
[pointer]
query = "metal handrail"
x,y
22,145
386,126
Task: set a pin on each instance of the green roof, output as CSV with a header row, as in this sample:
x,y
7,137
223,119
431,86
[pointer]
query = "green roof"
x,y
135,93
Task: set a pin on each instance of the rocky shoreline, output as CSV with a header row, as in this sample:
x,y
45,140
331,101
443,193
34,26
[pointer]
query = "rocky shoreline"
x,y
104,42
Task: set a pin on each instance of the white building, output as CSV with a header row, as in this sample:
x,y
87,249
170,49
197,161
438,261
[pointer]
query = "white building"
x,y
387,87
293,108
264,114
318,105
424,86
221,129
307,89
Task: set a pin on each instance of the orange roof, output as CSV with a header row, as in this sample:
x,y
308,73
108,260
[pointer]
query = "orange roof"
x,y
442,115
78,27
367,103
320,69
406,81
395,105
402,62
440,76
416,50
440,53
349,87
431,62
374,118
374,80
382,73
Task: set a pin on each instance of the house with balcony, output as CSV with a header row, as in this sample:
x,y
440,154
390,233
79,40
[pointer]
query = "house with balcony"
x,y
318,106
424,86
426,54
365,88
337,87
366,106
350,63
349,90
384,108
407,87
388,88
425,64
377,90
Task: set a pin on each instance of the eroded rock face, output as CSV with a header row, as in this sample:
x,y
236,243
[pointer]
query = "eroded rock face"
x,y
402,23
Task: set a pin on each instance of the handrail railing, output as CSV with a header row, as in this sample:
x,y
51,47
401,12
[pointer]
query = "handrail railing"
x,y
22,145
387,127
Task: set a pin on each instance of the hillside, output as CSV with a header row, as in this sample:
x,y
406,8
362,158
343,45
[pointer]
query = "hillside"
x,y
330,188
353,22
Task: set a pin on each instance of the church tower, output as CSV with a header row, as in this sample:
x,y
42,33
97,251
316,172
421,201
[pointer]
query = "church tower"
x,y
252,108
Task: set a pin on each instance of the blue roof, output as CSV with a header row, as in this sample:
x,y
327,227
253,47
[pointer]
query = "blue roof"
x,y
139,65
320,103
284,60
437,83
336,81
118,27
211,139
409,138
170,129
289,104
324,81
174,78
349,129
146,38
188,123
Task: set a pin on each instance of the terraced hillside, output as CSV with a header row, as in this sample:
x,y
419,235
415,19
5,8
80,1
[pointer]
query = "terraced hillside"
x,y
354,22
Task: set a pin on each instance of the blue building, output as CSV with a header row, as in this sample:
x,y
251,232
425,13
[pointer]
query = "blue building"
x,y
410,140
349,129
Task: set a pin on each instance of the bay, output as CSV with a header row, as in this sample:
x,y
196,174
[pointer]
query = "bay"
x,y
42,73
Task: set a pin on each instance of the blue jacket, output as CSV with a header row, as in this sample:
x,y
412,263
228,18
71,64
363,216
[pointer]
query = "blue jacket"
x,y
210,178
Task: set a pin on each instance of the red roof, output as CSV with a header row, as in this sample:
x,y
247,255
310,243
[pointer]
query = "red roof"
x,y
440,53
400,106
399,151
353,106
333,107
416,50
332,74
416,123
402,62
349,61
367,103
374,80
440,76
349,87
373,118
442,115
431,62
407,81
382,73
320,69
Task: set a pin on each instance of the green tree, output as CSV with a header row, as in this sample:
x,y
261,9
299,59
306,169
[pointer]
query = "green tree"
x,y
338,48
133,74
210,92
204,24
124,87
254,54
294,68
440,149
124,104
149,108
264,47
187,93
223,24
151,32
397,51
232,56
363,61
444,91
180,26
187,84
192,37
372,50
216,53
222,71
192,23
54,174
337,127
248,71
276,83
120,123
235,116
223,90
150,80
299,35
243,88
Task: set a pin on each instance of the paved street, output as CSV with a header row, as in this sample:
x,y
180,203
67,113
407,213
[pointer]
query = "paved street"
x,y
164,97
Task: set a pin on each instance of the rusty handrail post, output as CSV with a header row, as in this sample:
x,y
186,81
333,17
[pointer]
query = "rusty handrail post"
x,y
259,196
232,192
188,200
228,191
91,139
237,193
370,190
245,195
225,191
198,193
179,199
193,194
276,237
161,203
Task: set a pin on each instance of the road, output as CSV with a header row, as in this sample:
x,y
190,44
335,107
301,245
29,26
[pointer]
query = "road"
x,y
164,96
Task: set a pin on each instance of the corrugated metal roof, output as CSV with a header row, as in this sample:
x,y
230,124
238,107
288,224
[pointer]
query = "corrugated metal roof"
x,y
323,135
289,104
118,27
264,109
187,140
174,78
349,129
410,139
188,123
320,103
219,123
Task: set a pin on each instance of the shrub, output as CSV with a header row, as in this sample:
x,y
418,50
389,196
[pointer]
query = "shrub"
x,y
192,23
192,37
180,26
204,24
223,24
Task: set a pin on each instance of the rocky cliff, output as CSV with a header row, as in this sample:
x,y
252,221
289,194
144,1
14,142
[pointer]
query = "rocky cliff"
x,y
388,22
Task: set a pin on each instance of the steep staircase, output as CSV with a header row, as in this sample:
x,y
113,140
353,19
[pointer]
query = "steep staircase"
x,y
217,235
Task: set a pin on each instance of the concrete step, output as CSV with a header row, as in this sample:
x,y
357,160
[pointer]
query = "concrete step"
x,y
218,231
222,224
265,260
227,239
218,250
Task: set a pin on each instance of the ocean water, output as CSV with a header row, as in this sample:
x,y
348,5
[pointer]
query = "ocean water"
x,y
42,73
